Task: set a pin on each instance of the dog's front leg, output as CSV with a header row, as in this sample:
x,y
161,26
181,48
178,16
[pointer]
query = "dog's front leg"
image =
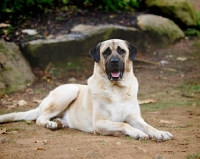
x,y
106,127
140,124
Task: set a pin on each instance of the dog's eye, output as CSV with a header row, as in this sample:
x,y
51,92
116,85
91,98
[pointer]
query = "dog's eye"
x,y
107,52
120,51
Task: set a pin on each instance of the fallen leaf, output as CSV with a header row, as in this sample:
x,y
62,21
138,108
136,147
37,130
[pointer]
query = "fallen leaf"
x,y
30,31
12,132
22,103
166,122
3,131
112,16
181,58
146,101
187,96
12,106
40,148
37,101
3,25
118,143
45,142
72,80
163,62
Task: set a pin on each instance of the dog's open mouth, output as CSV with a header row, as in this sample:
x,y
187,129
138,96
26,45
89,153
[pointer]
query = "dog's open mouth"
x,y
115,75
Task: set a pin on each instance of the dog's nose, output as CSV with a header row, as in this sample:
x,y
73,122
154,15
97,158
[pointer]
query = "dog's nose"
x,y
114,60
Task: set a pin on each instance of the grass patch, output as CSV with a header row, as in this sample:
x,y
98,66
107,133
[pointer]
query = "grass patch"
x,y
166,103
19,129
194,156
190,89
130,139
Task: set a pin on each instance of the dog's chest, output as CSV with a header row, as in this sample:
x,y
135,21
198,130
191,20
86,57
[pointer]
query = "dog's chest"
x,y
117,105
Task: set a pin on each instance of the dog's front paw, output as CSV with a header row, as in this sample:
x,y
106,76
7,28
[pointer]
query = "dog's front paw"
x,y
51,125
139,135
161,135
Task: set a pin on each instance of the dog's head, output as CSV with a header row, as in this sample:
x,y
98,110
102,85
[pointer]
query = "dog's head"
x,y
115,57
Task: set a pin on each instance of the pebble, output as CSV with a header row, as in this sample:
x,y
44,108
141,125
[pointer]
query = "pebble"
x,y
159,156
3,140
118,143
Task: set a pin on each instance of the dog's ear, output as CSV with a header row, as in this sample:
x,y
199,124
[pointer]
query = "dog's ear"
x,y
132,51
95,53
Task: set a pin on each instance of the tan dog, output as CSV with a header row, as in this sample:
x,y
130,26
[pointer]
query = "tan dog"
x,y
108,105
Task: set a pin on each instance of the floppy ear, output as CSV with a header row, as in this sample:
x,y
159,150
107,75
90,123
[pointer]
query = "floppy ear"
x,y
95,53
132,51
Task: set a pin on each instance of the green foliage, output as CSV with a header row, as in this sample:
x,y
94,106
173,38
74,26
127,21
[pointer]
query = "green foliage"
x,y
192,32
12,6
116,5
113,5
10,9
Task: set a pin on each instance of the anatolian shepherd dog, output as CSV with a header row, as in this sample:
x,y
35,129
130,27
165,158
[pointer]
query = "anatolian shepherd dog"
x,y
108,105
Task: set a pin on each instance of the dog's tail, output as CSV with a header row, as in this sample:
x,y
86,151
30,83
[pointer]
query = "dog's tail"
x,y
28,115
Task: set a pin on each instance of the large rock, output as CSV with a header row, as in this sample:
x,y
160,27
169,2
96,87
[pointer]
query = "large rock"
x,y
180,11
161,27
71,51
15,72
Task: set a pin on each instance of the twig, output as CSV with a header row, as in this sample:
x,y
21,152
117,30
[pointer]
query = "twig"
x,y
162,68
148,62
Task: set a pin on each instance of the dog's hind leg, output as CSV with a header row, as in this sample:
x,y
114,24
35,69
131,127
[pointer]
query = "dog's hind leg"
x,y
55,104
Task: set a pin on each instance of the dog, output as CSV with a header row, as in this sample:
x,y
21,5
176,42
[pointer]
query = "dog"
x,y
108,105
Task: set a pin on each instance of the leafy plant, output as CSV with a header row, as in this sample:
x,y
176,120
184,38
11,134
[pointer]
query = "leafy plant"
x,y
12,6
116,5
107,5
198,23
192,32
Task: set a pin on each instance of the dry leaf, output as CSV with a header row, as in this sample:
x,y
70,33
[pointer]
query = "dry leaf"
x,y
181,58
12,106
22,103
40,148
37,101
3,131
12,132
166,122
3,25
146,101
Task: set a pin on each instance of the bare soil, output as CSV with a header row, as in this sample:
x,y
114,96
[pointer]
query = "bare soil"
x,y
175,86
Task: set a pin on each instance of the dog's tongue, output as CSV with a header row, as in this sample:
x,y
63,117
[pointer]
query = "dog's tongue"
x,y
115,74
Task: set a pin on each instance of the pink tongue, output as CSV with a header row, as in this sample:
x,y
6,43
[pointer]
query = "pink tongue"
x,y
115,74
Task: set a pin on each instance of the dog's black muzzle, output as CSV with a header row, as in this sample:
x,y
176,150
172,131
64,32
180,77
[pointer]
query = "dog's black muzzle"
x,y
115,68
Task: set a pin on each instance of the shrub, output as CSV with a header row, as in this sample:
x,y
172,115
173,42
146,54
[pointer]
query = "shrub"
x,y
12,6
10,9
114,5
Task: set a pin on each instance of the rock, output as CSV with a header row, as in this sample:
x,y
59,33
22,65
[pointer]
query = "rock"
x,y
3,140
30,31
15,72
180,11
71,51
161,27
159,156
72,80
118,143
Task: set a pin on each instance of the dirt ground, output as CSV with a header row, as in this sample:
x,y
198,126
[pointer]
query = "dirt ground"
x,y
170,76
